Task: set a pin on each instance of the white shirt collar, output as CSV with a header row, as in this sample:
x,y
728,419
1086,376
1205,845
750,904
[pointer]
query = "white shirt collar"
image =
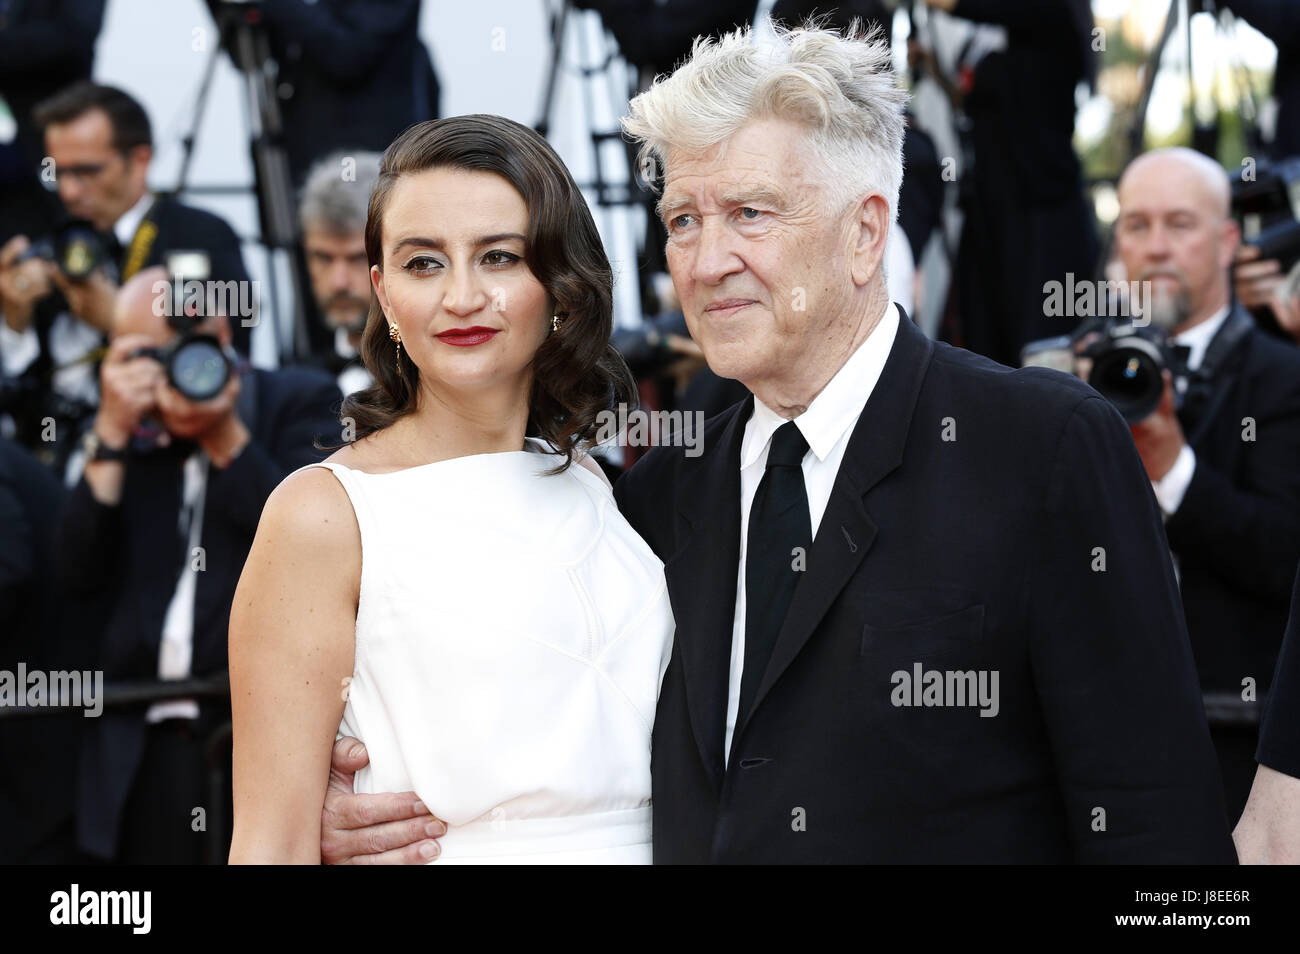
x,y
124,228
342,347
837,407
1198,337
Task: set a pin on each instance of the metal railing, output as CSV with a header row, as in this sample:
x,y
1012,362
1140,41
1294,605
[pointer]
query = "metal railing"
x,y
142,693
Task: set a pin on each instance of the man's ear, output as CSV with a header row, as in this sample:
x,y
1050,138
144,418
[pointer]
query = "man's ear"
x,y
871,230
138,159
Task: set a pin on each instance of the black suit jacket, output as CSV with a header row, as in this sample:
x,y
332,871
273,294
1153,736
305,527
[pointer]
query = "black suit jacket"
x,y
1279,732
976,553
126,559
353,75
1237,531
36,788
45,45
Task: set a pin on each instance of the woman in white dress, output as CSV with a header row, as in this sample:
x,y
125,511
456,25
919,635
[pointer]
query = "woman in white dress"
x,y
464,599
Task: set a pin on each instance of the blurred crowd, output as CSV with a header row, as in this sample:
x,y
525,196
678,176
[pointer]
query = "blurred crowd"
x,y
138,442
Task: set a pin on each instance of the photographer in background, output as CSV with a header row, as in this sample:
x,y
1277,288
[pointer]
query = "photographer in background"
x,y
1027,217
45,45
54,322
155,533
1259,281
351,74
1221,451
101,143
332,214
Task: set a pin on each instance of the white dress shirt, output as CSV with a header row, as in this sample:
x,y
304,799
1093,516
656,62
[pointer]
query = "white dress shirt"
x,y
177,647
826,425
354,377
1172,487
124,228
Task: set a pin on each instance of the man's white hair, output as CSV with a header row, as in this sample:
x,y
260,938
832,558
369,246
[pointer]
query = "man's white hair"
x,y
838,86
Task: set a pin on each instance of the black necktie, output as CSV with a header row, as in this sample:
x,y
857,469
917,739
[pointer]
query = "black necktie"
x,y
778,524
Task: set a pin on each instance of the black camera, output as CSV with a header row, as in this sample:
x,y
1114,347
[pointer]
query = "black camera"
x,y
1128,362
75,248
197,365
1266,202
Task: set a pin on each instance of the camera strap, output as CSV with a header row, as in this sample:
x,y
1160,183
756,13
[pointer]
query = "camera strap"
x,y
146,233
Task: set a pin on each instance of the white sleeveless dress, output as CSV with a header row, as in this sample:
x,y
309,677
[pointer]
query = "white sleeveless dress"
x,y
511,637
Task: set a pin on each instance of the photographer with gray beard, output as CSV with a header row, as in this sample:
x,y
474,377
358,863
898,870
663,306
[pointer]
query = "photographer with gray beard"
x,y
1222,448
333,218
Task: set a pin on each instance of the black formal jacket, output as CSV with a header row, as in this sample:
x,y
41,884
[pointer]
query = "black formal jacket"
x,y
1237,532
1279,732
126,559
45,45
37,752
981,552
353,75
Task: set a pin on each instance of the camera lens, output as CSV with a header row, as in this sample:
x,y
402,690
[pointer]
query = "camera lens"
x,y
1130,379
199,369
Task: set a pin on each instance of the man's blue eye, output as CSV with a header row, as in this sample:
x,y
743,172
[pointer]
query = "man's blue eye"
x,y
746,210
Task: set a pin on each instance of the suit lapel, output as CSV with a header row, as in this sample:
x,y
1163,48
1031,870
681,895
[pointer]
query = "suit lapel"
x,y
847,531
702,584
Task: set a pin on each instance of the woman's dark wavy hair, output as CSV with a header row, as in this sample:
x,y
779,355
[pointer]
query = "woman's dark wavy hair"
x,y
576,371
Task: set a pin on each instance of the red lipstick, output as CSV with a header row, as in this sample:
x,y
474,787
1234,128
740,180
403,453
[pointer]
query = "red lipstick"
x,y
467,337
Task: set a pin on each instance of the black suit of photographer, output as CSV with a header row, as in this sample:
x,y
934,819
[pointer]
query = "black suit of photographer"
x,y
1027,218
125,559
1236,533
36,792
45,45
352,74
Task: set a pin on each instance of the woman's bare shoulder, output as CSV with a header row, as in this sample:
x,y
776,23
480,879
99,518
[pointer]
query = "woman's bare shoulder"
x,y
310,507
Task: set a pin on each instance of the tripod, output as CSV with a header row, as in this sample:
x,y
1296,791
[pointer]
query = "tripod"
x,y
243,36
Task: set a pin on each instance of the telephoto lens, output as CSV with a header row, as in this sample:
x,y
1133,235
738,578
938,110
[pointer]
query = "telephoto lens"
x,y
1128,364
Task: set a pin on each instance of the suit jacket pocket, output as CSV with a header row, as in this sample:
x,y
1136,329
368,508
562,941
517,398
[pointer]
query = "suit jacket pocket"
x,y
917,639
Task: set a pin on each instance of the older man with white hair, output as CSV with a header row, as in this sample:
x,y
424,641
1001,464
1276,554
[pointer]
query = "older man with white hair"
x,y
924,608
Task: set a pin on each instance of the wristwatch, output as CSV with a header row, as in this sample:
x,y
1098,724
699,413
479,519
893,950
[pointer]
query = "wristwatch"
x,y
95,448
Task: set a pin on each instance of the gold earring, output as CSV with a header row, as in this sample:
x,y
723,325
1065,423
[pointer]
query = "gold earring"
x,y
396,337
556,321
